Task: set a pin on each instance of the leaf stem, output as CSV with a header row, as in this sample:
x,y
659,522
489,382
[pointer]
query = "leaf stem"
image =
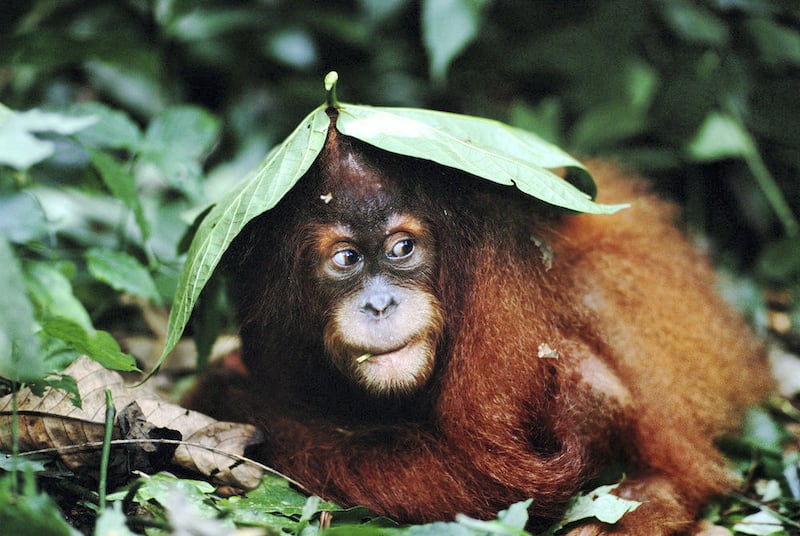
x,y
764,179
330,88
771,190
109,429
14,438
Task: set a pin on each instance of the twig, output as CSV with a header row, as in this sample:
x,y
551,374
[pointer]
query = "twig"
x,y
94,445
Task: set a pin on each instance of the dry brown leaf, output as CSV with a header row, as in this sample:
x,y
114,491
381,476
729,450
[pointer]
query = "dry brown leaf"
x,y
52,421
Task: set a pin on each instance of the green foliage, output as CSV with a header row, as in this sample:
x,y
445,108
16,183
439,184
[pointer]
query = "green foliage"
x,y
158,487
762,432
445,43
112,521
20,357
278,509
275,505
598,504
27,511
121,122
258,193
176,142
20,148
50,290
510,522
99,345
773,504
136,171
123,272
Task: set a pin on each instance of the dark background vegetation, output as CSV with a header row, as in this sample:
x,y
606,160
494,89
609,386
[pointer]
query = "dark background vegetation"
x,y
701,96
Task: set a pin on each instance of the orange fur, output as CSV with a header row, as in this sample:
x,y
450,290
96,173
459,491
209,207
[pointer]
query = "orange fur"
x,y
651,365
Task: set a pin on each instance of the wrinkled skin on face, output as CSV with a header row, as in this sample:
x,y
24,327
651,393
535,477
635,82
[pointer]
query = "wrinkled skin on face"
x,y
384,326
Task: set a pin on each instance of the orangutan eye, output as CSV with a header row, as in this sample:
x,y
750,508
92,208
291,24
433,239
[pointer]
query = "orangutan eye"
x,y
345,258
401,249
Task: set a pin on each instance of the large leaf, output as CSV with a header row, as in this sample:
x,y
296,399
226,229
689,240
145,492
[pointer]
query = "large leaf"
x,y
258,193
483,147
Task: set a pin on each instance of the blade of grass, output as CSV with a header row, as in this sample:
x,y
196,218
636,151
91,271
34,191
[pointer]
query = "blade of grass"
x,y
111,412
772,191
14,438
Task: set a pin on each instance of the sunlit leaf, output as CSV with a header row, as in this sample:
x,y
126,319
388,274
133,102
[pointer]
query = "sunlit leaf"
x,y
294,48
509,522
182,132
258,193
720,137
98,345
762,431
777,43
200,24
516,515
599,504
51,292
791,472
112,521
694,23
483,147
768,490
192,514
762,523
273,497
19,148
132,81
23,218
157,487
380,10
448,27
